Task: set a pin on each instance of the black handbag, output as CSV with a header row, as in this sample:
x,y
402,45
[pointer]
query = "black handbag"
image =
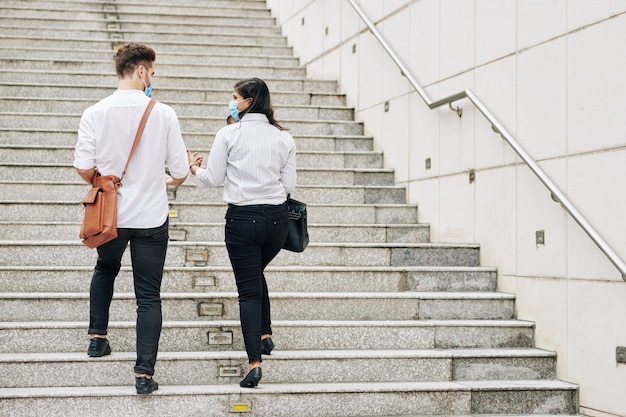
x,y
297,234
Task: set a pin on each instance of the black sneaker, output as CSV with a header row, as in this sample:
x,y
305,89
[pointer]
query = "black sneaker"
x,y
98,346
145,385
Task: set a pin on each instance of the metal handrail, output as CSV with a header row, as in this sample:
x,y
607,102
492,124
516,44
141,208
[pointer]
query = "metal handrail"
x,y
499,128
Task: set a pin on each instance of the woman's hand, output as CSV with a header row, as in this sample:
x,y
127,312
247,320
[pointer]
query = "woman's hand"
x,y
194,158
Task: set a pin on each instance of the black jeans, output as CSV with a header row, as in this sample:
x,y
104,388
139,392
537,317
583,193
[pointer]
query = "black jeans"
x,y
147,251
254,235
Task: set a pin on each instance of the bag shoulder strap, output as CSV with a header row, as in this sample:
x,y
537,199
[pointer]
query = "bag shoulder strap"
x,y
142,124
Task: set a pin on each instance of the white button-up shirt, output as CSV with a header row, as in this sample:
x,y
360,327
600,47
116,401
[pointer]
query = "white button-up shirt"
x,y
254,160
105,136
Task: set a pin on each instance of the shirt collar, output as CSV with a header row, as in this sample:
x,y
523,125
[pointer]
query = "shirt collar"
x,y
254,117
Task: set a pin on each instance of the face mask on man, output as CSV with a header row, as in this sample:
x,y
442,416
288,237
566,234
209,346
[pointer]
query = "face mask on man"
x,y
147,88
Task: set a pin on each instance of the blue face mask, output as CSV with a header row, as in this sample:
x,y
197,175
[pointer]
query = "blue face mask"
x,y
232,108
148,89
234,111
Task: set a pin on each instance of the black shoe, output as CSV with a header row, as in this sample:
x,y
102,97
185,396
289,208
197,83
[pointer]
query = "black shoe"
x,y
145,385
98,346
252,379
267,345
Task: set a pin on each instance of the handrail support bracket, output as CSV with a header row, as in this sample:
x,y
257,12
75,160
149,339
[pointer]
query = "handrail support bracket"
x,y
458,110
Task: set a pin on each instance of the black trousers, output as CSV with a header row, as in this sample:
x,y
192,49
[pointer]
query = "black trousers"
x,y
254,235
147,253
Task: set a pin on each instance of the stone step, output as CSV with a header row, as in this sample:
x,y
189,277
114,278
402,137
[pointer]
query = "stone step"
x,y
236,12
21,370
179,69
61,253
149,36
225,335
59,172
258,4
214,232
98,21
280,278
353,194
245,47
172,96
84,79
13,139
183,109
72,4
19,12
30,53
223,15
305,159
23,307
488,415
72,211
188,123
303,400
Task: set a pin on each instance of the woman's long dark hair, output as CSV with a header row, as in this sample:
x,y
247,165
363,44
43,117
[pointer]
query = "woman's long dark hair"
x,y
256,89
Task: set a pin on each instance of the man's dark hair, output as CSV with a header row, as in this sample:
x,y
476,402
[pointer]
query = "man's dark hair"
x,y
130,56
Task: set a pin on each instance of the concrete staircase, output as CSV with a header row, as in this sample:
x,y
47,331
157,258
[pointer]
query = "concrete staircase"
x,y
371,320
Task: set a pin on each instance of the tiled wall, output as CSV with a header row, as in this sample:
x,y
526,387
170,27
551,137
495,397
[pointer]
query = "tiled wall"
x,y
554,73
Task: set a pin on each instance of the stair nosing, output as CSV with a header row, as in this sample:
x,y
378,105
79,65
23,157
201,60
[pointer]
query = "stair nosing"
x,y
515,323
273,268
362,245
282,355
274,388
276,295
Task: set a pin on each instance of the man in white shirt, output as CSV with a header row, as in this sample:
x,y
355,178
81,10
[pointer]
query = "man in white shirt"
x,y
105,137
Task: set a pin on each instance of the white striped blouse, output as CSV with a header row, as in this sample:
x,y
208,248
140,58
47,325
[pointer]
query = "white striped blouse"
x,y
254,160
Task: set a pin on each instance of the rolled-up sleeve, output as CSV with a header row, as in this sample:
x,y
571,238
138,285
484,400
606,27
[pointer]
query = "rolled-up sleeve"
x,y
176,158
85,151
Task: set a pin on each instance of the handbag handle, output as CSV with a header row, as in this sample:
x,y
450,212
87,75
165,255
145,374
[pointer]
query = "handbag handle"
x,y
142,124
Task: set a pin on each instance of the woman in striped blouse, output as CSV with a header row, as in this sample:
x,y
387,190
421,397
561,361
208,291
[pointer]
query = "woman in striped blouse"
x,y
255,159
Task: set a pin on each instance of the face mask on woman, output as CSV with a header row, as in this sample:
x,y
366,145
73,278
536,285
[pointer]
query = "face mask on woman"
x,y
232,108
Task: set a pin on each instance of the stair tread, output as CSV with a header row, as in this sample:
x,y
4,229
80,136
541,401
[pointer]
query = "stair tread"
x,y
273,388
275,295
456,353
220,244
175,224
304,169
269,268
281,323
202,133
221,204
191,185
